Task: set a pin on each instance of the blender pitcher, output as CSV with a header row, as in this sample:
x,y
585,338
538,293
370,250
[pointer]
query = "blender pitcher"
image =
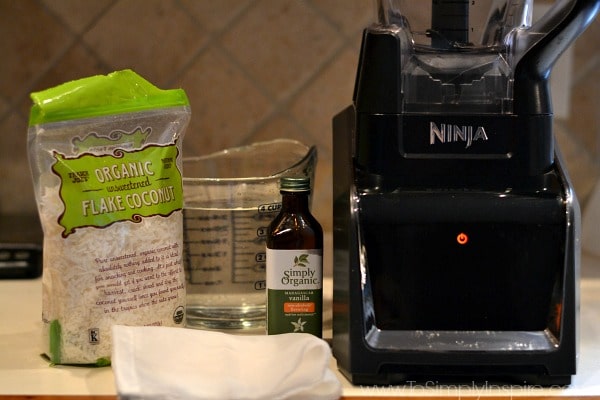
x,y
230,198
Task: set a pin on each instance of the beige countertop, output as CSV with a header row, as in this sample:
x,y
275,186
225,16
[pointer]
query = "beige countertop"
x,y
25,374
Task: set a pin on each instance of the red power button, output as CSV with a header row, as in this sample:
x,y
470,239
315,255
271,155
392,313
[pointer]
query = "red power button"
x,y
462,238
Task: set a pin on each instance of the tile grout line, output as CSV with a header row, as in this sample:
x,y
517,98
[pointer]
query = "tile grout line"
x,y
75,39
281,107
582,73
277,106
14,106
347,43
212,39
214,42
579,144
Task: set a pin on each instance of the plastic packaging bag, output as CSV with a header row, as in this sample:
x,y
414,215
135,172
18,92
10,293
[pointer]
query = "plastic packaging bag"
x,y
105,156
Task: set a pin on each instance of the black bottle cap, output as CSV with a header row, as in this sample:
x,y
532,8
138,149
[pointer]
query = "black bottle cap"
x,y
295,183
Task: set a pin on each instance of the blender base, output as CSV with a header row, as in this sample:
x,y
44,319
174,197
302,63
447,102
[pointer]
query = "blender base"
x,y
413,304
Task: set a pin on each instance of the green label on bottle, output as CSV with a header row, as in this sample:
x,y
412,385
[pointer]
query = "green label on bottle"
x,y
295,311
99,190
294,291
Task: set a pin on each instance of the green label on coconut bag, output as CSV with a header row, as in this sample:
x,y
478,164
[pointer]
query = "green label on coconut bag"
x,y
99,190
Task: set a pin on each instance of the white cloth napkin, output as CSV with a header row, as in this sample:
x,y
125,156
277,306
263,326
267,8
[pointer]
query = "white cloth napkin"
x,y
178,363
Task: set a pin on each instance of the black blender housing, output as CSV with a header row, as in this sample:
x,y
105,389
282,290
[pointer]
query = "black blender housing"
x,y
456,228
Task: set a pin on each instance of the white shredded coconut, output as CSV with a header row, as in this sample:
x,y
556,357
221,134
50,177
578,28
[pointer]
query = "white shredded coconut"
x,y
126,271
86,296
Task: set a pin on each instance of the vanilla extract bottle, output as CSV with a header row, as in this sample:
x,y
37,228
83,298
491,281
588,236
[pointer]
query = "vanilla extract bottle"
x,y
295,264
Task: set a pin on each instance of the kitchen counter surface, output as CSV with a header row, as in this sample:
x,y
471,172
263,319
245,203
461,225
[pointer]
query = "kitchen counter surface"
x,y
25,374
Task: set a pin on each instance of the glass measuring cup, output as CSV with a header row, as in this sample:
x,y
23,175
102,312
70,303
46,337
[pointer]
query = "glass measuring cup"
x,y
230,197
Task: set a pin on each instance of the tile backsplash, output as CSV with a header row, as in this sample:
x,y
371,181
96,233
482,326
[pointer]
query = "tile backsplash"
x,y
253,69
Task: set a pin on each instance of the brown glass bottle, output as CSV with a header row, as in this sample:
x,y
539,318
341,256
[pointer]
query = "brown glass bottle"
x,y
295,264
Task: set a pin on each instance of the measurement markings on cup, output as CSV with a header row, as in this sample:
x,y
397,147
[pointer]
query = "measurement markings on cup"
x,y
227,245
248,247
207,241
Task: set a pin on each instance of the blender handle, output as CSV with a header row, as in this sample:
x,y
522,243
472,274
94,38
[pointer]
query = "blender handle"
x,y
560,27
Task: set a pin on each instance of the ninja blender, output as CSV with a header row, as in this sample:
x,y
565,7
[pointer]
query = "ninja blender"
x,y
456,228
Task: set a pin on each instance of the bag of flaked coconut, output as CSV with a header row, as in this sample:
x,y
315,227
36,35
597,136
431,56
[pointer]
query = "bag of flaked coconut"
x,y
105,156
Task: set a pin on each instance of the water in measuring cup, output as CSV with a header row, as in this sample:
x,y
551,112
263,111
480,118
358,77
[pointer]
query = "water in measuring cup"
x,y
225,266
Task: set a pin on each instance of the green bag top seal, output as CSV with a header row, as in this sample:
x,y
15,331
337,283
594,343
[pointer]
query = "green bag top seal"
x,y
116,93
